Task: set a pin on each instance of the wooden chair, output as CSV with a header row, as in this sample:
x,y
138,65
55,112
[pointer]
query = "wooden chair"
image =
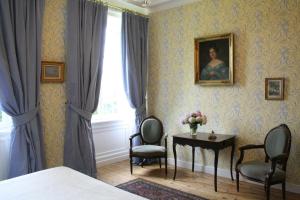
x,y
277,147
151,134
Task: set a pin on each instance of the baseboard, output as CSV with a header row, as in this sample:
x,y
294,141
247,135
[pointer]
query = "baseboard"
x,y
226,173
111,157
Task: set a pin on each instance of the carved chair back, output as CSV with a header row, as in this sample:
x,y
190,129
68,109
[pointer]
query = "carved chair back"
x,y
278,141
151,130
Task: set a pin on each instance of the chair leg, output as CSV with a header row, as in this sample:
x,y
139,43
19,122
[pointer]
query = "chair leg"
x,y
283,190
237,180
268,191
130,164
159,162
166,165
142,163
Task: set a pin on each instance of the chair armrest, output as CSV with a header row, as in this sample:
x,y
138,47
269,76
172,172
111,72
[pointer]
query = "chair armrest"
x,y
133,136
274,161
247,147
251,146
166,142
165,136
279,158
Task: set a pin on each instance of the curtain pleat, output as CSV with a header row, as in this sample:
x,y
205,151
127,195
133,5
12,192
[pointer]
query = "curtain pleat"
x,y
86,26
20,63
134,64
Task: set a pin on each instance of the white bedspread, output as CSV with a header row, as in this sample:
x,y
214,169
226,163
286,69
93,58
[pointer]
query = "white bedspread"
x,y
60,183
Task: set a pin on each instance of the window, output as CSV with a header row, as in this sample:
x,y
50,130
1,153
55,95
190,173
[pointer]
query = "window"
x,y
5,136
5,122
113,104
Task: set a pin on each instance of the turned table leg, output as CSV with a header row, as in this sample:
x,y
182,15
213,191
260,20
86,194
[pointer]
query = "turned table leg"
x,y
193,164
175,160
216,168
231,161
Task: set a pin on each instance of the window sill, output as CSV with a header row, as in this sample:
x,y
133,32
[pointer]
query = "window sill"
x,y
105,121
109,122
107,126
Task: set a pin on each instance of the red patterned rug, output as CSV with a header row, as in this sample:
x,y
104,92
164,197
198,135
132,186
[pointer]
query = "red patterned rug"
x,y
156,191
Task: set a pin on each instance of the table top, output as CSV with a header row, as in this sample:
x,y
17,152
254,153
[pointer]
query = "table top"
x,y
204,137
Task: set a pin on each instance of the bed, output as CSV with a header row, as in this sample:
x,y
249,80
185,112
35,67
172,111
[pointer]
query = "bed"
x,y
60,183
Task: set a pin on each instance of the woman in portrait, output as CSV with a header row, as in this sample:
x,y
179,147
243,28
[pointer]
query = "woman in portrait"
x,y
216,69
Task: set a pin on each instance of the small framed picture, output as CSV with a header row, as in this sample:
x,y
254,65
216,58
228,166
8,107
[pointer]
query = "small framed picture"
x,y
52,72
214,60
274,88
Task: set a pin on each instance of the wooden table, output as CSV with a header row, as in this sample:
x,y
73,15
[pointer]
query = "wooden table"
x,y
201,140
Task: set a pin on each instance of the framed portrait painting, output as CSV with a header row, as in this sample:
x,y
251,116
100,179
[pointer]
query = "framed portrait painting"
x,y
52,72
274,88
214,60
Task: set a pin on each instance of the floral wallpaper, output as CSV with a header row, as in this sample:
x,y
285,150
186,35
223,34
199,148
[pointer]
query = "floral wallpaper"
x,y
267,44
53,95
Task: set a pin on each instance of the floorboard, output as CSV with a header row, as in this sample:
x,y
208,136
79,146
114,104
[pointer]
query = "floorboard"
x,y
197,183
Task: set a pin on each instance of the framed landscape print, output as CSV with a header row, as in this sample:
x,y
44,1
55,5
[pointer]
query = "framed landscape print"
x,y
214,60
52,72
274,88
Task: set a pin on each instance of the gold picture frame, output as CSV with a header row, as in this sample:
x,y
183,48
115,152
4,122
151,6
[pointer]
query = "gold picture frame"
x,y
52,72
216,50
274,88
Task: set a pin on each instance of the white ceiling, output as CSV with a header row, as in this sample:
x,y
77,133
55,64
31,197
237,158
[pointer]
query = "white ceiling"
x,y
158,5
155,5
152,4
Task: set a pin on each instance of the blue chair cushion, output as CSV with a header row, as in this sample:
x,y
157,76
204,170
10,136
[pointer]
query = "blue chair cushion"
x,y
258,170
148,151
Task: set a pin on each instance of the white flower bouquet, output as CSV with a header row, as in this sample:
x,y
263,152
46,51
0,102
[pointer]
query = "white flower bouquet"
x,y
193,120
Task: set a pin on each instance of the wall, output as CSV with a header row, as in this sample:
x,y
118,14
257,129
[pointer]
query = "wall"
x,y
267,44
53,96
111,141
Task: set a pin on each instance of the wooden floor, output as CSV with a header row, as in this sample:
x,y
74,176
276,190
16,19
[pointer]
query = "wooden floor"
x,y
197,183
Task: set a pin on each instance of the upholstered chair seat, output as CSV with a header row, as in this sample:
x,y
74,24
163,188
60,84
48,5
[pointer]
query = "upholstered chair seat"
x,y
148,150
151,134
258,170
272,171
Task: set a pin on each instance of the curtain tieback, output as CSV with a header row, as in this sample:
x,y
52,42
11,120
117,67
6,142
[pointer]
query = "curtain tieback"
x,y
85,114
25,117
140,109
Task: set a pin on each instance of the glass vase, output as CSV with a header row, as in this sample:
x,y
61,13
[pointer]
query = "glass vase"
x,y
193,128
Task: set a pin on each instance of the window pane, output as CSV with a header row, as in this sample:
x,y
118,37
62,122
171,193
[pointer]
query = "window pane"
x,y
5,122
113,104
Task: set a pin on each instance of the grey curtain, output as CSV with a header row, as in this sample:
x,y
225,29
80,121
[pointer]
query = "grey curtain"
x,y
20,62
86,25
134,61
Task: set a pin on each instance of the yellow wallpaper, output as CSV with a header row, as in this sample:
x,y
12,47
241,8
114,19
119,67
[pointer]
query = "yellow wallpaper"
x,y
53,96
267,44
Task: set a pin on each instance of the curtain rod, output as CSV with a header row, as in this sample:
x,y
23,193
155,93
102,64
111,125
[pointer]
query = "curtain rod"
x,y
120,8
